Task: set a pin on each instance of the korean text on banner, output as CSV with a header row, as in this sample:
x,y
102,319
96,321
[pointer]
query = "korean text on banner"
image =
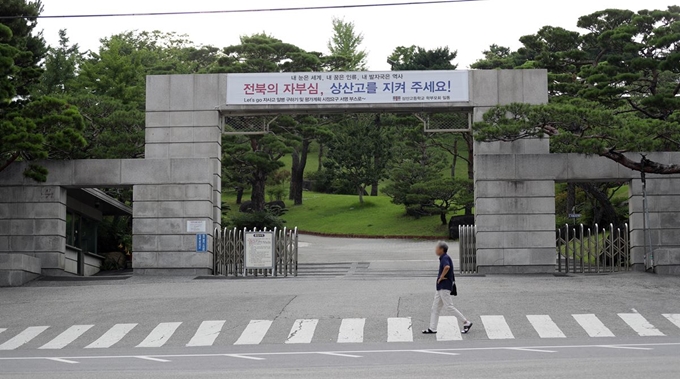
x,y
347,87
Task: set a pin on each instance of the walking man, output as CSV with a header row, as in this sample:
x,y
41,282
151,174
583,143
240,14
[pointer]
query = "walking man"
x,y
445,283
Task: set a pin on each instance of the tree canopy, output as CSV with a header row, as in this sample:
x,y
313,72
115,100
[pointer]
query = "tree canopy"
x,y
345,44
614,88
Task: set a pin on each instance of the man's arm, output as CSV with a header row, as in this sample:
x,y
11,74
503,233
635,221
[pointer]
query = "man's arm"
x,y
444,272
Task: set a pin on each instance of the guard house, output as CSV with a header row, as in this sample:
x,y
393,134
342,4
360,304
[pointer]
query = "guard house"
x,y
85,209
52,232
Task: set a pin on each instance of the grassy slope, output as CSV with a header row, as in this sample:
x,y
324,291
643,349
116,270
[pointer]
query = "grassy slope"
x,y
342,214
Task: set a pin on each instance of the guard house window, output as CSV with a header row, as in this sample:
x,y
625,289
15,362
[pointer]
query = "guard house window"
x,y
81,232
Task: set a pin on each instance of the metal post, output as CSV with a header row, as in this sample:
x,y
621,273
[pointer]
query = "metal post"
x,y
649,254
559,250
581,239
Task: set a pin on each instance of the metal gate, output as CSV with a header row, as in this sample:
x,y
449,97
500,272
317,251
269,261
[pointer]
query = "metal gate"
x,y
229,253
584,250
468,248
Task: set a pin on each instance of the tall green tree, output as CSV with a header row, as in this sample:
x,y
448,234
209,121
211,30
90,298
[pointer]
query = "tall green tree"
x,y
264,53
31,127
615,88
346,45
417,58
352,152
61,67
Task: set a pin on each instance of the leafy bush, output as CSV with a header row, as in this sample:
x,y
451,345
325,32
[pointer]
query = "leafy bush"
x,y
254,221
327,181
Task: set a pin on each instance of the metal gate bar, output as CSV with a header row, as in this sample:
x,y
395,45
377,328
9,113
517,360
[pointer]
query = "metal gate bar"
x,y
597,250
468,248
229,253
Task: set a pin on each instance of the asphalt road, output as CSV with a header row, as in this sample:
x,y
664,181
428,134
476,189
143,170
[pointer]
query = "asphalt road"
x,y
390,280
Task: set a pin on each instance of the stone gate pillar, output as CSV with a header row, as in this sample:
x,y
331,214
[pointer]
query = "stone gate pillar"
x,y
514,213
182,121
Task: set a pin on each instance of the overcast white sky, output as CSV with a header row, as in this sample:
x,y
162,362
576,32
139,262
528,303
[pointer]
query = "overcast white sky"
x,y
467,27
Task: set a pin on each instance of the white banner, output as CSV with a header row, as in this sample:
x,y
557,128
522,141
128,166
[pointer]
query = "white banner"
x,y
363,87
259,250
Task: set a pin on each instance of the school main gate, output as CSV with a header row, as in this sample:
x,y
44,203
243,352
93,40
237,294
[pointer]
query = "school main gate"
x,y
177,186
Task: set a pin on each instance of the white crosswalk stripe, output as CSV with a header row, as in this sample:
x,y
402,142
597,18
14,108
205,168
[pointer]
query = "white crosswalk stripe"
x,y
497,328
68,336
448,329
674,318
207,333
399,329
112,336
24,337
160,335
640,324
545,326
351,330
592,325
302,331
254,332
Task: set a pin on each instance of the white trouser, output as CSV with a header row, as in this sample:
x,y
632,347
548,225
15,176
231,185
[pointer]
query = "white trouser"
x,y
443,298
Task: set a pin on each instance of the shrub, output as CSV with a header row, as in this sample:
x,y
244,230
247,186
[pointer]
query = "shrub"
x,y
254,221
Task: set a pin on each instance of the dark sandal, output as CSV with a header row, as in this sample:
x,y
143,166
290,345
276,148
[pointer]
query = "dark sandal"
x,y
466,328
429,331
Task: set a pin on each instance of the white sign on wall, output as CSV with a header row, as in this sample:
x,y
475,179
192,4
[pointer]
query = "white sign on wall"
x,y
196,226
259,250
363,87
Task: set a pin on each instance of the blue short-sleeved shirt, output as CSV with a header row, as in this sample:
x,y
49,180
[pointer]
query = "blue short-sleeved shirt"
x,y
446,284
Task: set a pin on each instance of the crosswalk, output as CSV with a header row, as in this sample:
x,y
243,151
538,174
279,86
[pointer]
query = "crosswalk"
x,y
349,330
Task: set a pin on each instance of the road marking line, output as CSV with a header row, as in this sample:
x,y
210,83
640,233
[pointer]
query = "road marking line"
x,y
62,360
207,333
342,355
351,330
250,355
531,350
68,336
152,359
24,337
160,334
254,333
399,329
244,357
592,325
112,336
674,318
496,327
640,324
626,347
435,352
448,329
302,331
545,326
2,330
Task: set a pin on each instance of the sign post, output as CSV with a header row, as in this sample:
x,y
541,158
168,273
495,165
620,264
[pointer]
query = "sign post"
x,y
259,251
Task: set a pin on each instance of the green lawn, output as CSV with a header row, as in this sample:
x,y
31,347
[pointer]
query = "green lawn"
x,y
342,214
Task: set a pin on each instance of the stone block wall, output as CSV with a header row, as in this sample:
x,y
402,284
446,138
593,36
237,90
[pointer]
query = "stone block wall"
x,y
33,223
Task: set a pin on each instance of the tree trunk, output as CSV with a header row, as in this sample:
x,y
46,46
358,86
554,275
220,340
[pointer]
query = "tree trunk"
x,y
571,198
374,185
469,140
258,195
320,157
298,173
608,211
455,158
442,216
294,174
239,195
361,190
